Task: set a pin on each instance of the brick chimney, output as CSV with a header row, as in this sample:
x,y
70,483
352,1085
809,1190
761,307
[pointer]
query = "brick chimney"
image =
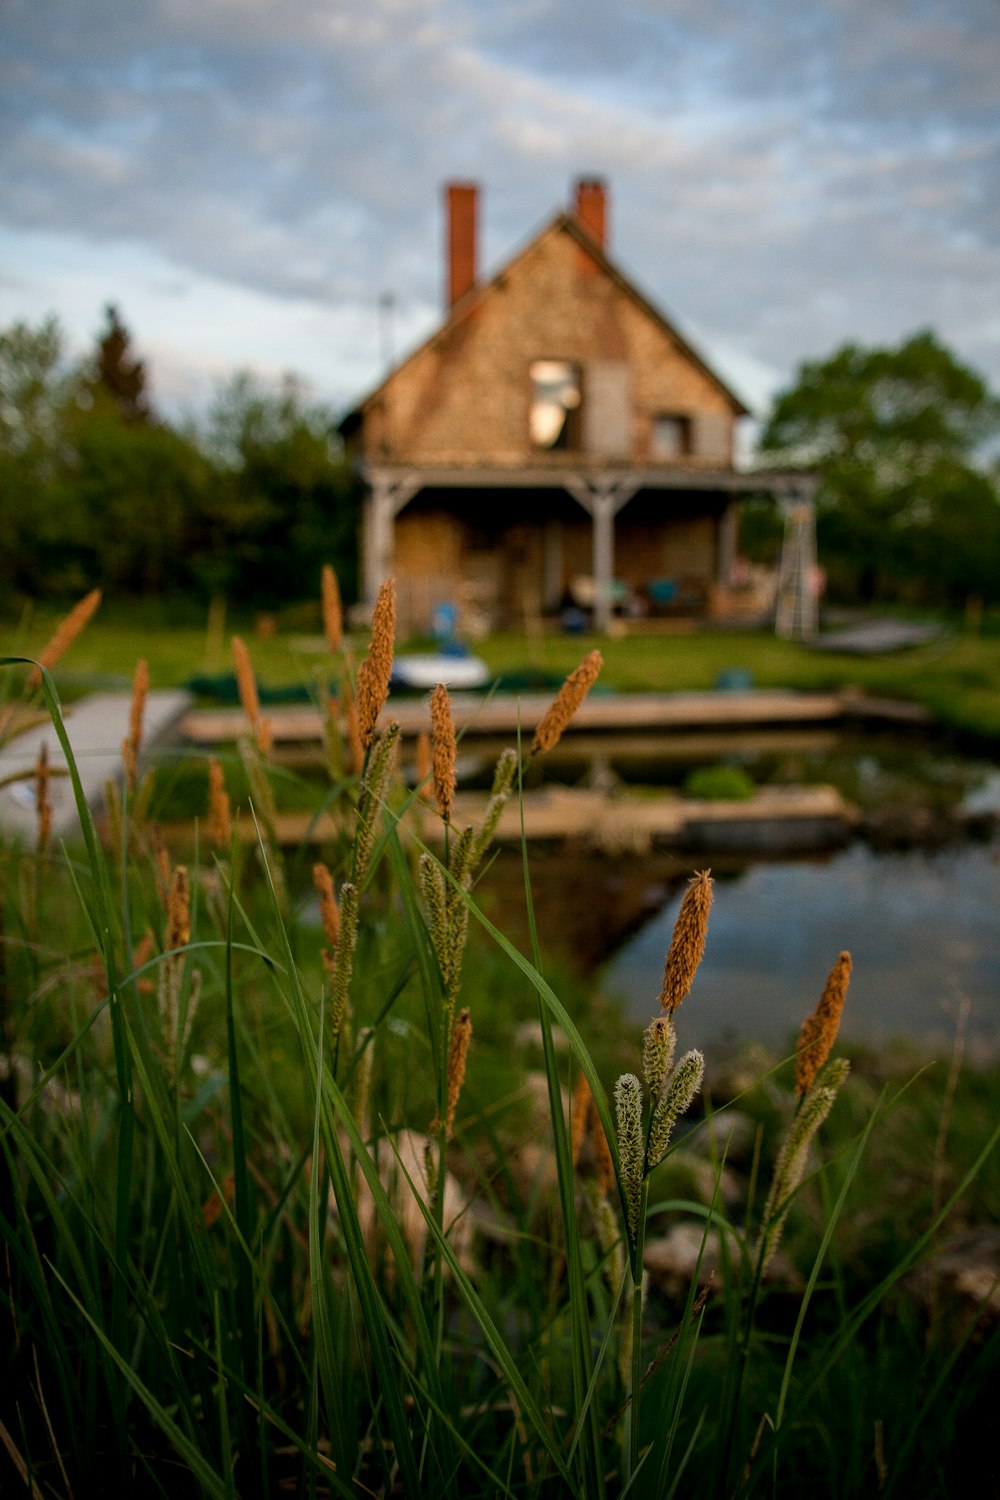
x,y
591,207
462,213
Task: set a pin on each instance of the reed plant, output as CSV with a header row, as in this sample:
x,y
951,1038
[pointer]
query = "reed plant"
x,y
263,1232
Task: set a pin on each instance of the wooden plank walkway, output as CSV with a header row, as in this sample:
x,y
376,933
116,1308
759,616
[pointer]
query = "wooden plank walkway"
x,y
607,713
96,727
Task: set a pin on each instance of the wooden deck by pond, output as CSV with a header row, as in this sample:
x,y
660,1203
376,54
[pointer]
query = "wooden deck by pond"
x,y
610,713
775,820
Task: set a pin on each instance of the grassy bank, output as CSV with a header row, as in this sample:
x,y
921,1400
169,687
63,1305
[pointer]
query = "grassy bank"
x,y
313,1182
956,678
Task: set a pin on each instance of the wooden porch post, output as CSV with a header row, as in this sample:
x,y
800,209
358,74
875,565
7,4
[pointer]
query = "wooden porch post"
x,y
602,499
727,544
387,496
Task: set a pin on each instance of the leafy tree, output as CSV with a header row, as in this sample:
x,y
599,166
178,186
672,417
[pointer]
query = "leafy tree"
x,y
38,522
95,490
286,501
906,510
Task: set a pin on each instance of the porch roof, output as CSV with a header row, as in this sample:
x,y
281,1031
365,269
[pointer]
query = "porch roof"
x,y
570,476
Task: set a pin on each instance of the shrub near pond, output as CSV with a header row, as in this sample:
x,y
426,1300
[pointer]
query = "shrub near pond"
x,y
719,784
267,1230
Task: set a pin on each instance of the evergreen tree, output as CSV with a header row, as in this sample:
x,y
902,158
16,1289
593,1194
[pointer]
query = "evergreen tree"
x,y
118,375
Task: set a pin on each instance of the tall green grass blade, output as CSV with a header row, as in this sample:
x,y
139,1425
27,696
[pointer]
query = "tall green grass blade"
x,y
837,1345
209,1478
341,1423
372,1311
503,1355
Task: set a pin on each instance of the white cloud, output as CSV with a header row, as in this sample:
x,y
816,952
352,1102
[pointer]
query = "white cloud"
x,y
785,175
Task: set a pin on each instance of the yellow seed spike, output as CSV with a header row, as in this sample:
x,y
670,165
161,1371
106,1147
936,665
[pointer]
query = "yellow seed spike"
x,y
131,747
443,750
179,910
423,766
246,683
333,614
64,635
328,910
376,669
566,702
219,814
688,942
348,708
458,1052
42,802
579,1115
819,1031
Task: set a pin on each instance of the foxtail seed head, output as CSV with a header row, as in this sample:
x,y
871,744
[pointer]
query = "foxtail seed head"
x,y
688,942
218,806
130,748
343,959
458,1052
791,1163
424,784
349,710
376,669
249,697
333,614
503,777
42,803
64,635
658,1044
566,702
628,1113
579,1114
819,1031
372,796
179,910
443,750
676,1099
328,911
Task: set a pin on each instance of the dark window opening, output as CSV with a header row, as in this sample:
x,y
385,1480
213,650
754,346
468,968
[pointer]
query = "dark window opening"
x,y
670,437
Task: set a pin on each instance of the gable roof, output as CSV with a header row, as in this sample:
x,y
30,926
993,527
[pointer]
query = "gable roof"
x,y
465,306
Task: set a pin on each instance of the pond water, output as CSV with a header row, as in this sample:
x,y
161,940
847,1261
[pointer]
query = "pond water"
x,y
914,898
923,929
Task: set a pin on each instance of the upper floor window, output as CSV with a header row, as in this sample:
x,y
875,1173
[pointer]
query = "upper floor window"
x,y
554,417
670,437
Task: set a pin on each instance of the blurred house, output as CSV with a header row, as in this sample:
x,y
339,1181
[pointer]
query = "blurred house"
x,y
555,446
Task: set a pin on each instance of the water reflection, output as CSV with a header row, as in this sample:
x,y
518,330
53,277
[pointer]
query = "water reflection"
x,y
923,929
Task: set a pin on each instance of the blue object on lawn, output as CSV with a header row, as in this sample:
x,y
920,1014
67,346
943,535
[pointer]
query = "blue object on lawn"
x,y
734,680
444,623
662,591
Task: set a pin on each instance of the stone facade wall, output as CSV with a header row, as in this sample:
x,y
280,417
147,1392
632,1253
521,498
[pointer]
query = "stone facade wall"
x,y
464,398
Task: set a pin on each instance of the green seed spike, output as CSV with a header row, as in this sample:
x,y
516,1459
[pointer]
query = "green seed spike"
x,y
658,1044
628,1111
372,796
431,879
343,961
675,1100
503,778
791,1160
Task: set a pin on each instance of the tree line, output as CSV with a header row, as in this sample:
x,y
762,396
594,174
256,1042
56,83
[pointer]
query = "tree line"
x,y
97,489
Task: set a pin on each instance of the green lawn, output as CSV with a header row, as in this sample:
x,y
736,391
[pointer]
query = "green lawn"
x,y
957,678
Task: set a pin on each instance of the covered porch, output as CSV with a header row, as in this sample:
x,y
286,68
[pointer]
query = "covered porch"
x,y
511,547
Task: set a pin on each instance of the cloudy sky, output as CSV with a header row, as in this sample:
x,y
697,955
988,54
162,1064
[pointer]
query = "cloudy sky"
x,y
246,178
